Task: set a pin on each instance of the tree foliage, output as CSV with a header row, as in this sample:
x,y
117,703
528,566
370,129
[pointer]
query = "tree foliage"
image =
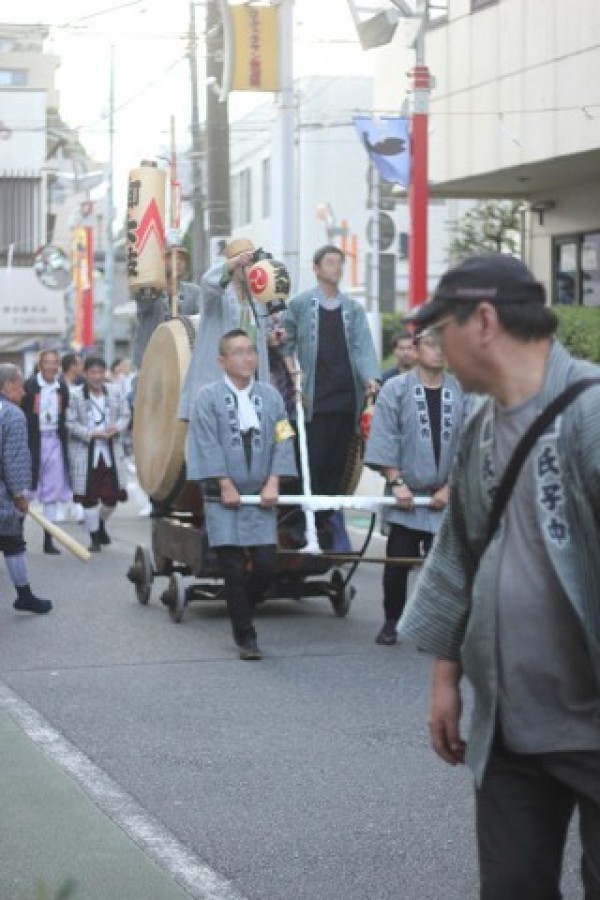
x,y
491,226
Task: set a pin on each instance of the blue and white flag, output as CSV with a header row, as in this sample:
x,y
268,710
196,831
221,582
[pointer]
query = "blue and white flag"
x,y
387,142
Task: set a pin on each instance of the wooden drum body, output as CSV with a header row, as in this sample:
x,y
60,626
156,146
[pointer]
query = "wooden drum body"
x,y
159,435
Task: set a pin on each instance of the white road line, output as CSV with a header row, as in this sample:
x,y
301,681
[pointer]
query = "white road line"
x,y
199,880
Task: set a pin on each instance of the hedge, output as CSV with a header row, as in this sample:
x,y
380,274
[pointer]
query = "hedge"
x,y
578,330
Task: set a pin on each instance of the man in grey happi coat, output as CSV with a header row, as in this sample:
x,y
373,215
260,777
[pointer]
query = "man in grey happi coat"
x,y
329,334
240,442
224,307
520,617
414,433
15,480
154,307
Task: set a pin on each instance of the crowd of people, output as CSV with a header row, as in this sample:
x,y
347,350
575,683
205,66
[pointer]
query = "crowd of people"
x,y
62,445
484,414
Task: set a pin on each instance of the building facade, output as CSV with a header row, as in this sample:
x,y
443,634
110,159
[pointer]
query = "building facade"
x,y
333,201
46,180
515,113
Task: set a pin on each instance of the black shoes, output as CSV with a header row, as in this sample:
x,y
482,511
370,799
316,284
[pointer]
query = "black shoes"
x,y
249,649
99,538
95,542
388,636
49,545
28,602
103,536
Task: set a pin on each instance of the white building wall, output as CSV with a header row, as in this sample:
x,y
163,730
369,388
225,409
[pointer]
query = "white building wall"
x,y
514,112
330,167
534,61
23,143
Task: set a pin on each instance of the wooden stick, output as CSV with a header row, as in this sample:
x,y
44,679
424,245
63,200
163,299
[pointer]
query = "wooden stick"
x,y
61,536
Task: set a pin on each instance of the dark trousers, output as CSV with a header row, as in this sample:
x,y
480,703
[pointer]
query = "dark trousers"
x,y
247,573
328,437
401,542
524,807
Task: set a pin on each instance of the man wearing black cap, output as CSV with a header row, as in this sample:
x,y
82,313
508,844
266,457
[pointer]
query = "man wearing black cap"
x,y
519,613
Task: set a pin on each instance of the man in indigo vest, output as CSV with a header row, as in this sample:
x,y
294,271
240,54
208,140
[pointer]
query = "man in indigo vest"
x,y
329,335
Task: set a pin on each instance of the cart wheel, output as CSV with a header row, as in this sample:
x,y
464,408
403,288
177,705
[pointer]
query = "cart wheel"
x,y
341,599
162,565
141,574
176,593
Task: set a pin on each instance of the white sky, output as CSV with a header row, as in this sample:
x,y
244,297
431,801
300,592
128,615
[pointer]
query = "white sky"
x,y
150,65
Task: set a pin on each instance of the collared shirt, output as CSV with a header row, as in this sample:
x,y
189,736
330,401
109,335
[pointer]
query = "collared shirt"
x,y
97,412
302,328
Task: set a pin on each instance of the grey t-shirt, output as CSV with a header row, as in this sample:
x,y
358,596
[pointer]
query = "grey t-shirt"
x,y
549,700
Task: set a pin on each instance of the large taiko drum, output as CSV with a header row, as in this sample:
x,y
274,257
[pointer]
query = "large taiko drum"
x,y
158,434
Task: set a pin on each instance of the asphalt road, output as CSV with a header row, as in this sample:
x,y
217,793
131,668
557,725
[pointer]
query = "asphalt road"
x,y
305,776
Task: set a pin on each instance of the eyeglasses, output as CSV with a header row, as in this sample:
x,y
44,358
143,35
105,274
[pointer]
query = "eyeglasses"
x,y
438,328
242,351
431,340
432,336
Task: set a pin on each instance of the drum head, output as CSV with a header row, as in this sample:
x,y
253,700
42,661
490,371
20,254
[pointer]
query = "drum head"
x,y
158,434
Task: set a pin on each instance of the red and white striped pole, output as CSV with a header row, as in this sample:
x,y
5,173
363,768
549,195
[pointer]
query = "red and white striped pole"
x,y
419,191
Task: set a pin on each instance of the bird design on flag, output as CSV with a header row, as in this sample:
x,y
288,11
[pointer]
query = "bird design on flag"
x,y
390,146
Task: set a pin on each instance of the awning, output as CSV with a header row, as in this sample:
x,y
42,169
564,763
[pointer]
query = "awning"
x,y
18,343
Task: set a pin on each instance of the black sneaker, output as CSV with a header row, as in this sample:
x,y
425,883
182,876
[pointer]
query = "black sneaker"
x,y
103,536
32,604
388,635
49,545
95,542
249,649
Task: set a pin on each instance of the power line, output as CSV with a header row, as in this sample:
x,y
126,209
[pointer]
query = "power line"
x,y
134,97
101,12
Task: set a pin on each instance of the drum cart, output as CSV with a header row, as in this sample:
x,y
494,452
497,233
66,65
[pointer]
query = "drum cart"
x,y
180,550
179,546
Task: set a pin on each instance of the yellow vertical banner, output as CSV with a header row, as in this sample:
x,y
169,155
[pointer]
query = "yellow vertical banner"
x,y
256,55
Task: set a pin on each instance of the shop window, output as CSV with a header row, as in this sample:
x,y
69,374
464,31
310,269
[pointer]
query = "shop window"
x,y
577,270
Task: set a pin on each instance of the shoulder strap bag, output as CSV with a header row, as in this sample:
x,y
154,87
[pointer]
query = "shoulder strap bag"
x,y
523,448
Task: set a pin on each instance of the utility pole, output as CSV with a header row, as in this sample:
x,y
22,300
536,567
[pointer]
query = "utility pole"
x,y
198,230
109,253
217,129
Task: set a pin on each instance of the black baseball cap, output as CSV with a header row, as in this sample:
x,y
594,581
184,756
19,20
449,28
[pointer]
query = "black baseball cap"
x,y
493,277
